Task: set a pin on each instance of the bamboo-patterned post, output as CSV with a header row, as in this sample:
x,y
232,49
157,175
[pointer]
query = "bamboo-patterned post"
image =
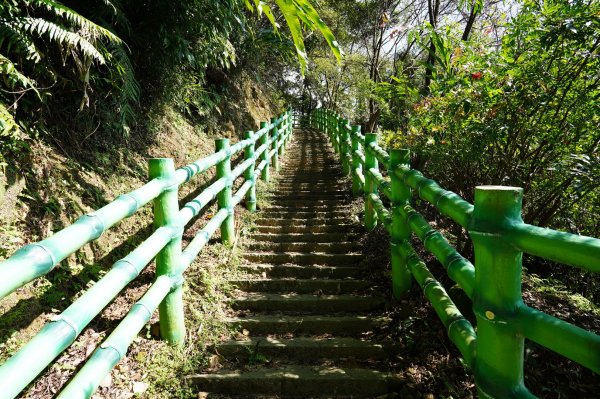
x,y
345,148
356,162
264,175
339,125
289,136
224,197
168,260
275,135
334,135
319,120
497,296
400,231
282,134
249,174
370,186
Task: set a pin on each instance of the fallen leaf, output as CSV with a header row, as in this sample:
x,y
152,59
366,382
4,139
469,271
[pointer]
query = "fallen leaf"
x,y
139,387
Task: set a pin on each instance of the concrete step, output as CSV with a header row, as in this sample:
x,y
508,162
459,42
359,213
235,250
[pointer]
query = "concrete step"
x,y
316,208
298,258
305,349
315,196
303,286
311,191
285,237
287,201
330,248
307,324
339,228
298,381
316,304
294,214
303,272
313,178
300,222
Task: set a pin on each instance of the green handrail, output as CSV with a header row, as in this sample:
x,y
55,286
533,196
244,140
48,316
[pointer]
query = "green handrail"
x,y
494,350
164,243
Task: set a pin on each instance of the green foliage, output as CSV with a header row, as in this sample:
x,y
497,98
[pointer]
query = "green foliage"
x,y
524,115
299,13
45,44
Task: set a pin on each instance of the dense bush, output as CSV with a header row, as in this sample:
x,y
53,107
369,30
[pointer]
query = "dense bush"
x,y
525,113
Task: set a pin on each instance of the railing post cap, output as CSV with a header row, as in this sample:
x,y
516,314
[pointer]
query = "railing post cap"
x,y
263,124
222,143
496,205
399,156
370,137
161,160
356,128
160,167
248,134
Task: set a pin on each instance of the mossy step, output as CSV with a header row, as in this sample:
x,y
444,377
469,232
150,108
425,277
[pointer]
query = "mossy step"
x,y
312,178
298,381
304,271
299,258
295,214
309,190
303,286
330,247
316,195
291,201
341,207
285,237
316,304
338,228
352,325
306,190
306,349
271,221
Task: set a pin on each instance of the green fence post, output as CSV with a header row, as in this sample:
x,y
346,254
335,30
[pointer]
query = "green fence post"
x,y
340,137
499,364
320,119
264,175
370,187
249,174
224,197
334,133
400,231
275,135
344,147
356,162
168,260
282,135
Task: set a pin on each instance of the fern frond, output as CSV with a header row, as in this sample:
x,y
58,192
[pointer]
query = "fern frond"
x,y
77,20
129,88
61,36
13,78
13,40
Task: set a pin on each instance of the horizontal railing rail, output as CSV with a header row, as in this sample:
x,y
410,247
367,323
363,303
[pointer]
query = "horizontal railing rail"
x,y
164,244
494,350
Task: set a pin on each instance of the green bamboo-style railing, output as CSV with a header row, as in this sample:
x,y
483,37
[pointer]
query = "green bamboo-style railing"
x,y
494,350
164,244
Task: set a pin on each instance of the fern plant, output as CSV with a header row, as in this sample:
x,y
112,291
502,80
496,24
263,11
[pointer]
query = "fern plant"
x,y
33,33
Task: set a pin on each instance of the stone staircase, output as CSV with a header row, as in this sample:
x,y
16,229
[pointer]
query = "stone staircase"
x,y
309,315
